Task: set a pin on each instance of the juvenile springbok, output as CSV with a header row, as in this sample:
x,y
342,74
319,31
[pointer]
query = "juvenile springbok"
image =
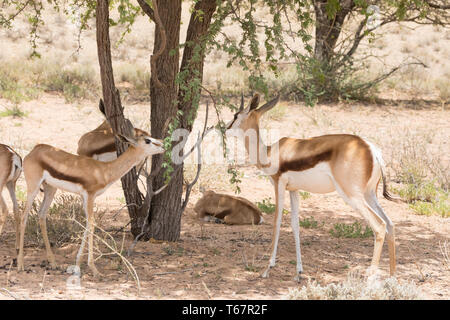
x,y
56,169
10,170
226,208
338,162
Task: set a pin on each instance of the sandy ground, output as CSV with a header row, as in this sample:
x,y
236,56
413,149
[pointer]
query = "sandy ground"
x,y
224,262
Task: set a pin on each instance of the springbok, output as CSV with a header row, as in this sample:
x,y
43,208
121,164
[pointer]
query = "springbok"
x,y
337,162
10,170
56,169
229,209
99,143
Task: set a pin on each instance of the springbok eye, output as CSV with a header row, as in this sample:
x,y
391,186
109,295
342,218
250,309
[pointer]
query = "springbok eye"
x,y
148,141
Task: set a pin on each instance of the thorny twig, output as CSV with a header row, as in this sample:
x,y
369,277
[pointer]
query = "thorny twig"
x,y
125,261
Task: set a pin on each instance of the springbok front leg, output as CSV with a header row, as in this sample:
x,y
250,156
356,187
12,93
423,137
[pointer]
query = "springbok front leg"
x,y
49,194
90,224
280,188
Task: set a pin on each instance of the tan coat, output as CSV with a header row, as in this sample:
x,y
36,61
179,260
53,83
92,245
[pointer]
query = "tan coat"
x,y
230,209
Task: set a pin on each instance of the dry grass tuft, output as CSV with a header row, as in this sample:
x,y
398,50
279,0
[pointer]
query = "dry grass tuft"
x,y
357,287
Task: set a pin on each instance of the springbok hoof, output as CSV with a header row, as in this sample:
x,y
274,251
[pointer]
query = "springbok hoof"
x,y
266,273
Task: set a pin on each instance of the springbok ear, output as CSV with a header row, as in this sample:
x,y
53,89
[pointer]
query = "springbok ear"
x,y
128,140
269,105
101,106
255,102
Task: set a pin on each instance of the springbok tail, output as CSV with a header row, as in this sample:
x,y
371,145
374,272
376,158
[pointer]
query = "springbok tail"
x,y
386,193
379,158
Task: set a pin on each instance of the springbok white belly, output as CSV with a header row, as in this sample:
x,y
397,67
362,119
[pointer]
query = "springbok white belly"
x,y
314,180
105,157
62,184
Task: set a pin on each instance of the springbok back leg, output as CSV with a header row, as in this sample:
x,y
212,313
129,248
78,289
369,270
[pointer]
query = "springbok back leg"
x,y
49,194
279,195
296,231
359,203
372,201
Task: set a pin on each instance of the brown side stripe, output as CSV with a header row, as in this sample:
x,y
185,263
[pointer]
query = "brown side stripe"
x,y
305,163
107,148
61,176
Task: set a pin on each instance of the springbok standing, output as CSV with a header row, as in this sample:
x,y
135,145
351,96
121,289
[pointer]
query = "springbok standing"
x,y
100,144
339,162
57,169
10,170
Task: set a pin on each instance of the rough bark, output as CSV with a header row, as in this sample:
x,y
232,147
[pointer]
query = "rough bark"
x,y
328,30
197,30
114,112
165,215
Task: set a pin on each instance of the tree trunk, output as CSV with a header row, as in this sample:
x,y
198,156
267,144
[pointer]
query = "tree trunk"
x,y
194,56
328,30
165,215
114,112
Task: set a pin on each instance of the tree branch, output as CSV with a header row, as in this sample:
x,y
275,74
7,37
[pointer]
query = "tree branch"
x,y
162,47
147,9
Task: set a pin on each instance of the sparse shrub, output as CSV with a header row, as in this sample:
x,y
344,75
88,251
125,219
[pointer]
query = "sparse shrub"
x,y
440,207
419,191
266,206
304,194
12,86
354,230
424,178
138,76
357,287
14,112
309,223
73,83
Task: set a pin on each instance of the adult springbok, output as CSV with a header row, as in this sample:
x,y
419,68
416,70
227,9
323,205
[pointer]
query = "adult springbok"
x,y
10,170
56,169
99,143
338,162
